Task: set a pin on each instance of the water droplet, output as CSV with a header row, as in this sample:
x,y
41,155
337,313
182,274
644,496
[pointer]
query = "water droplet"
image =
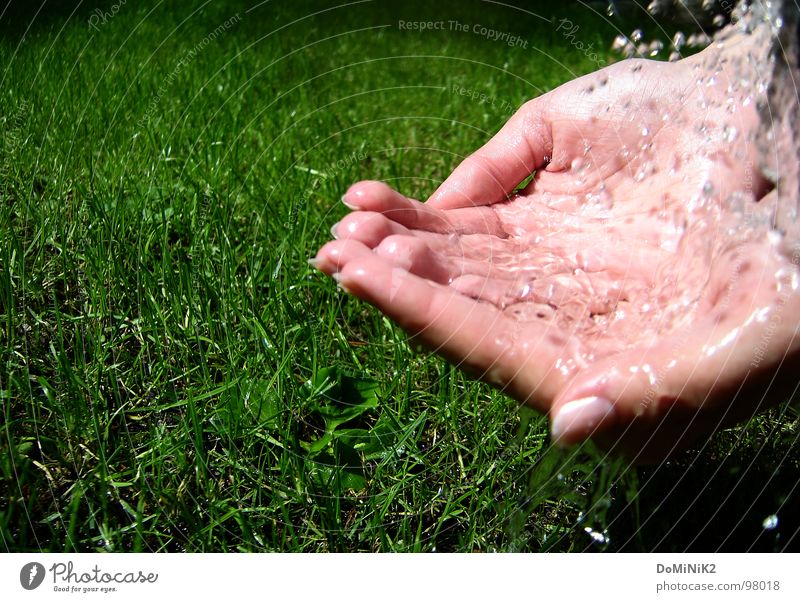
x,y
655,48
597,536
578,164
637,35
770,522
647,169
600,198
619,43
696,40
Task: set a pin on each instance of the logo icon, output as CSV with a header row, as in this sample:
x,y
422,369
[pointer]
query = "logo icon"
x,y
31,575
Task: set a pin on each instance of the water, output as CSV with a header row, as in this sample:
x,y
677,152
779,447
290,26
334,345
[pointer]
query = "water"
x,y
770,523
677,213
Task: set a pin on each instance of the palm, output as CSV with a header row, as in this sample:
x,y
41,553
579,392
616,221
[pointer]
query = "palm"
x,y
616,258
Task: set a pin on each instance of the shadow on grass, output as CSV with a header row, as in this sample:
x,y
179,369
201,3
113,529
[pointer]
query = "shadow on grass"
x,y
746,498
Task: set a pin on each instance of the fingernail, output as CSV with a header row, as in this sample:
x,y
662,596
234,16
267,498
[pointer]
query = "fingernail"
x,y
333,230
577,420
313,262
338,278
349,205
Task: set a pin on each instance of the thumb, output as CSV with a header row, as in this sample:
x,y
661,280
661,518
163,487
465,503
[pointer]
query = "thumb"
x,y
651,401
493,171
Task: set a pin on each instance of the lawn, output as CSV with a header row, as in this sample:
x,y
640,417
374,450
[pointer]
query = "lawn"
x,y
174,376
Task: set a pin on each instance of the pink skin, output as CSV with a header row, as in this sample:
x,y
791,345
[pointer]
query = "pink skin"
x,y
641,324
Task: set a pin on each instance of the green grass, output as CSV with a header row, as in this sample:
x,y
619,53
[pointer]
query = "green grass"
x,y
173,376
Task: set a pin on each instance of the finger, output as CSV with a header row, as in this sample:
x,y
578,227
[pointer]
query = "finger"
x,y
367,227
473,335
479,256
406,252
415,256
493,171
379,197
333,256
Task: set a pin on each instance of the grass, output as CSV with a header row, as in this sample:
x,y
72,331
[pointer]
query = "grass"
x,y
173,376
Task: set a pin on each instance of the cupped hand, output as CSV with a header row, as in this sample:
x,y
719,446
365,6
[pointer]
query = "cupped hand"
x,y
628,290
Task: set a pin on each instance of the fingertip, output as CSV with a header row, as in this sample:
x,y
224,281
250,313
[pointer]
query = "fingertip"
x,y
368,227
340,283
336,254
326,259
363,194
348,204
367,271
581,419
379,281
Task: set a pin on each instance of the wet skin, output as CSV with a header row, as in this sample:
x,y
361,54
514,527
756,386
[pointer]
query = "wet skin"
x,y
631,291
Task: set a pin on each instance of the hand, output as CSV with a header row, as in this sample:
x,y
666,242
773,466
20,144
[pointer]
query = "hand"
x,y
622,291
